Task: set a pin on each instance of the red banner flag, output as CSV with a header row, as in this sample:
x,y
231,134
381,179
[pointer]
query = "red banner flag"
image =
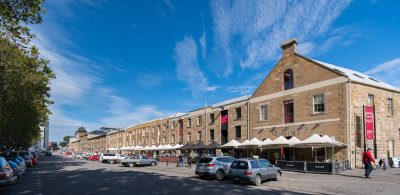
x,y
224,119
369,122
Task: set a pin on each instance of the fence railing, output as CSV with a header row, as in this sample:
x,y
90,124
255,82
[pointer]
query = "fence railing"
x,y
318,167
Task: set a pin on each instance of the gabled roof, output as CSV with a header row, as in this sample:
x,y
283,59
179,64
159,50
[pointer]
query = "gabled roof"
x,y
178,114
355,76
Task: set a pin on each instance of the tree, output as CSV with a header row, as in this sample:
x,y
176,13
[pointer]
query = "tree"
x,y
63,144
24,76
16,15
66,138
81,130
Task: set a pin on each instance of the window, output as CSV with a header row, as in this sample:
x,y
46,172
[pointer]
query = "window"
x,y
212,118
389,104
238,130
211,134
238,113
370,100
288,111
200,120
173,138
199,135
189,122
164,140
319,103
152,141
189,137
165,126
288,79
359,135
264,112
173,125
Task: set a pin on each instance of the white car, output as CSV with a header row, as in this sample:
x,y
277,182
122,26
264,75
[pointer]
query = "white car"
x,y
111,158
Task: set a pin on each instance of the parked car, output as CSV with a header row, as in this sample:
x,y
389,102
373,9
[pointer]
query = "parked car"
x,y
85,156
68,153
94,157
217,167
77,155
111,158
21,163
16,169
6,173
253,170
29,155
138,160
28,161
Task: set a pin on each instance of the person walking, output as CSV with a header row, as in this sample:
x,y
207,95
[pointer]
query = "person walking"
x,y
190,161
180,161
368,160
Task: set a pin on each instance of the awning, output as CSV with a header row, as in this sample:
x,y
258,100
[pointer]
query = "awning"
x,y
233,143
250,143
213,145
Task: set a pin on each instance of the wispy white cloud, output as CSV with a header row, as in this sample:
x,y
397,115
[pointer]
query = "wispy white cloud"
x,y
249,86
203,44
388,72
188,69
150,80
261,26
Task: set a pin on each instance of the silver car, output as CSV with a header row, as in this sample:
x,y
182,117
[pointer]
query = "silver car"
x,y
253,170
217,167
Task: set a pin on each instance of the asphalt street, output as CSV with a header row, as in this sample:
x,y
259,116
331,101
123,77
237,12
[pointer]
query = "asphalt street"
x,y
59,174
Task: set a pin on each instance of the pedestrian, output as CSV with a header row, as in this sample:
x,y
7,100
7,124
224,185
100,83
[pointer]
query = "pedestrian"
x,y
190,161
368,160
180,160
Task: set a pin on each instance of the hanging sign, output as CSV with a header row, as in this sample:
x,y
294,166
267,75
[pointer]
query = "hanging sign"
x,y
369,122
224,119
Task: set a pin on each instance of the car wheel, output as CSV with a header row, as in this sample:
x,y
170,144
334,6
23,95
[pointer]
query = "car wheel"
x,y
277,176
153,164
258,180
131,165
219,175
111,161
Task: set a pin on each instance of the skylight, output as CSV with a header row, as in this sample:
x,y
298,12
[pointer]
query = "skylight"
x,y
358,76
373,79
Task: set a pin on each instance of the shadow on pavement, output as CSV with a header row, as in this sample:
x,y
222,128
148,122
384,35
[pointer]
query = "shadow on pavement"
x,y
56,179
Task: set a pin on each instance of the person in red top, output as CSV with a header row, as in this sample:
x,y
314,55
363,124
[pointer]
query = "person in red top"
x,y
367,159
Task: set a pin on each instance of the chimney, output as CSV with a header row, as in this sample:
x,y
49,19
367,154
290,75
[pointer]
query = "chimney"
x,y
289,47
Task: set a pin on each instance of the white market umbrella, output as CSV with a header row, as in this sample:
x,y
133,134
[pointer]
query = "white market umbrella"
x,y
153,147
168,147
250,144
232,144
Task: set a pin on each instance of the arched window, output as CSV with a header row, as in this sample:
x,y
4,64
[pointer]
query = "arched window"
x,y
288,79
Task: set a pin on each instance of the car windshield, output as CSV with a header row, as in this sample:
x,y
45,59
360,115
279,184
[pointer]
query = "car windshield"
x,y
239,165
24,153
205,160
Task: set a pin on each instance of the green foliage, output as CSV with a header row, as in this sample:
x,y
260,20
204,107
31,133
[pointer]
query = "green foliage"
x,y
251,154
276,156
226,154
81,130
16,15
66,138
63,144
24,94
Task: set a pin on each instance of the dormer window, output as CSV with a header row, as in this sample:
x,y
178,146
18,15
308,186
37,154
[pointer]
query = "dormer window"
x,y
288,79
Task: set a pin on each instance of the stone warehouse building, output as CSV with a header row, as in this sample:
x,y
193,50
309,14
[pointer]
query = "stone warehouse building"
x,y
299,97
302,96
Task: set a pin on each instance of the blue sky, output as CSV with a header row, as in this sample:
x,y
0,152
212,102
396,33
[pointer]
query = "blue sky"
x,y
120,63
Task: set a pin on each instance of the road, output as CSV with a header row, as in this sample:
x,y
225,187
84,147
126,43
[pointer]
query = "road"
x,y
61,175
57,175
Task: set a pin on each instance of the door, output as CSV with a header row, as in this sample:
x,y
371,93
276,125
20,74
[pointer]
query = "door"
x,y
391,148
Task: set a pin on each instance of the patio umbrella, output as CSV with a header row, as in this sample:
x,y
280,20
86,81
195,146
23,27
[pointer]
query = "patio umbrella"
x,y
185,147
213,145
279,142
232,144
250,144
315,141
198,146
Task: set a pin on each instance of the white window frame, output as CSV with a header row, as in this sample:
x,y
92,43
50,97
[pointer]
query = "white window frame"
x,y
262,113
390,106
371,100
199,135
199,120
189,122
316,101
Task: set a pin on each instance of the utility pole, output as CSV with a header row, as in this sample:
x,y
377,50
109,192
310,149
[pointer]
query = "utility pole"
x,y
205,125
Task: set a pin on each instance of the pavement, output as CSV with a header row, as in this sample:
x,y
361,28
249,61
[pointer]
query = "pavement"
x,y
59,174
